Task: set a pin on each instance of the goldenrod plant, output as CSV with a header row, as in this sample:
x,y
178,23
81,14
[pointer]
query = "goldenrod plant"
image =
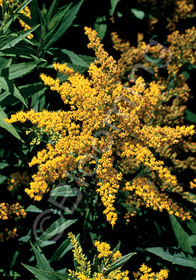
x,y
105,264
120,153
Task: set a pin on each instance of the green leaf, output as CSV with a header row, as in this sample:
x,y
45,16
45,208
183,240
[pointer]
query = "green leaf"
x,y
190,116
128,207
8,126
2,178
25,238
35,12
5,63
76,59
93,237
192,225
16,253
113,4
138,13
41,274
35,90
117,247
14,38
15,14
120,262
64,191
177,258
18,95
33,208
10,88
62,250
181,235
57,227
42,262
52,9
47,243
22,6
192,240
20,69
3,165
64,24
22,51
101,26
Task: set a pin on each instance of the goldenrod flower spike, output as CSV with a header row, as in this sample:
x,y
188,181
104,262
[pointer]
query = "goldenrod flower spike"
x,y
79,257
153,198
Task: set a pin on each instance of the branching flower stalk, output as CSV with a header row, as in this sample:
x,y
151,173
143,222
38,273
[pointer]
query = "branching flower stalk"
x,y
83,130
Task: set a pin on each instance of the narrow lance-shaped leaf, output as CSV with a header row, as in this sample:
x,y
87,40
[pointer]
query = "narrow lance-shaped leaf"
x,y
10,87
42,262
177,258
14,38
20,69
117,247
101,26
113,4
15,15
120,262
181,235
41,274
62,250
57,227
64,190
65,24
8,126
52,9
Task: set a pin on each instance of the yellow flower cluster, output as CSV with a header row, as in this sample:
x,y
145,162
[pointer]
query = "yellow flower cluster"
x,y
181,51
55,121
144,155
83,267
8,234
103,248
146,273
117,275
99,276
117,124
193,184
117,255
183,9
104,251
8,210
170,108
17,180
153,198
